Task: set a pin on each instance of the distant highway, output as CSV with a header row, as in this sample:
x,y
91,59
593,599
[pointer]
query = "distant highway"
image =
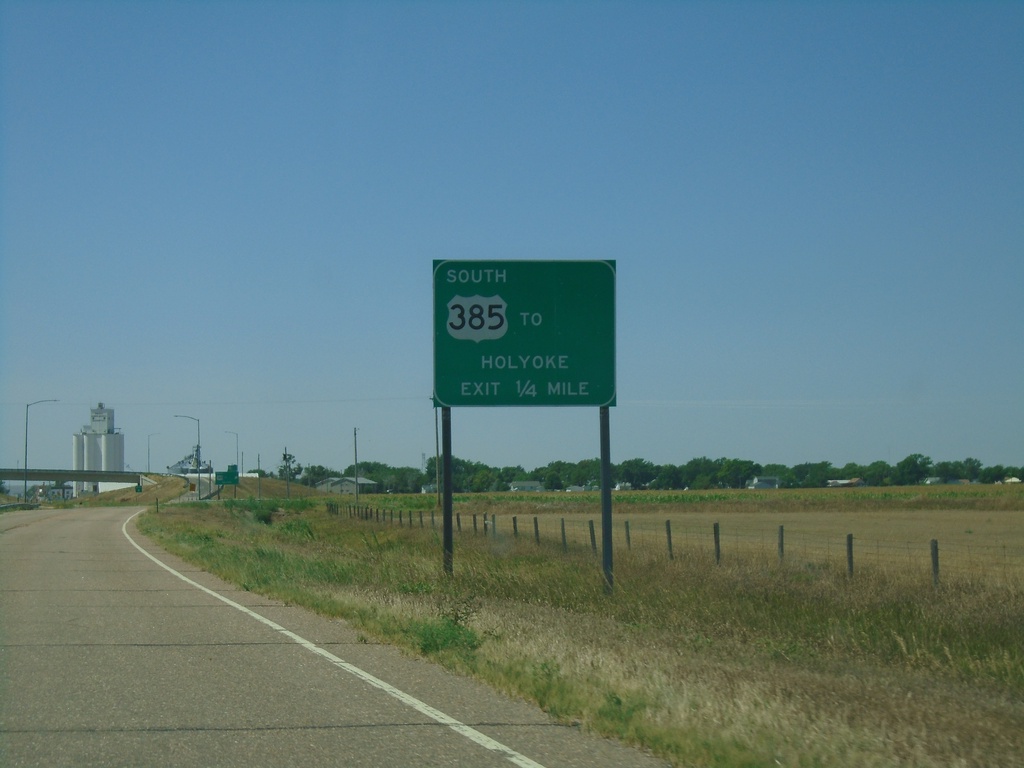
x,y
70,475
113,653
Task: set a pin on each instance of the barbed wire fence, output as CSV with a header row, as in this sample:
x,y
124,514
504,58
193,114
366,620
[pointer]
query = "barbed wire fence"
x,y
997,563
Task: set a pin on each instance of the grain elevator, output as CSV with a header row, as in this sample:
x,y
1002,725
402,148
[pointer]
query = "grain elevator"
x,y
98,447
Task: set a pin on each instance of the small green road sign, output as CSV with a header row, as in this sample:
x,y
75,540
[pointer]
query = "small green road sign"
x,y
524,333
227,478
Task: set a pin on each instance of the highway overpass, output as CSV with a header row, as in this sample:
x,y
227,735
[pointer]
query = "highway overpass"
x,y
72,475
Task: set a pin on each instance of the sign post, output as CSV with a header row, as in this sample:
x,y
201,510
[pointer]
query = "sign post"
x,y
525,333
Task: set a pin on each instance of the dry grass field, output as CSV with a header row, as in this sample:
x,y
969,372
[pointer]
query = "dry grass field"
x,y
979,529
170,488
987,544
747,662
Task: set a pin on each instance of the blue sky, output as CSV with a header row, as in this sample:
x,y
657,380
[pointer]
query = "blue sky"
x,y
230,210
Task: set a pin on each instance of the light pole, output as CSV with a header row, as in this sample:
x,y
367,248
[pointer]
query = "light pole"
x,y
149,468
24,490
229,432
199,457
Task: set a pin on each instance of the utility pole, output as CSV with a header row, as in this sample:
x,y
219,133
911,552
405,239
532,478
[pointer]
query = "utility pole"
x,y
355,448
229,432
199,457
287,473
149,467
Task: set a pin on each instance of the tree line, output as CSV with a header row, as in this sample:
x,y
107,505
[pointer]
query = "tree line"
x,y
698,474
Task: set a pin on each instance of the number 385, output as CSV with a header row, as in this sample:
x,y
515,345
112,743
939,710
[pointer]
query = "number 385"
x,y
476,317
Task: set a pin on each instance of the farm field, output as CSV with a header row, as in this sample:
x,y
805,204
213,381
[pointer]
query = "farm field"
x,y
748,661
978,529
976,544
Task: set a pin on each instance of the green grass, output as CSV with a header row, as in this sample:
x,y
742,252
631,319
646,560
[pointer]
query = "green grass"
x,y
747,663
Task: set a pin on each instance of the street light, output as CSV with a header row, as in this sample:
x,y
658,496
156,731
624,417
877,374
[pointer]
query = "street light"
x,y
24,490
199,457
148,466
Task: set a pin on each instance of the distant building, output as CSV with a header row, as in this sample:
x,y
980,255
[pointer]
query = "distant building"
x,y
347,485
99,447
764,483
526,485
853,482
59,493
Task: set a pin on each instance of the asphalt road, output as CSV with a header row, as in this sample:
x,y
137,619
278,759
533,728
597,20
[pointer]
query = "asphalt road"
x,y
114,653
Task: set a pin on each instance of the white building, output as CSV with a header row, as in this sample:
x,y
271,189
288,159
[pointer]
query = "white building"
x,y
99,447
347,485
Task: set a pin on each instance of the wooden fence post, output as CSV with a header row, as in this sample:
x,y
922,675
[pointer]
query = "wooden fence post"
x,y
849,555
565,542
536,530
718,544
593,538
668,537
629,544
458,521
935,562
515,527
474,524
782,545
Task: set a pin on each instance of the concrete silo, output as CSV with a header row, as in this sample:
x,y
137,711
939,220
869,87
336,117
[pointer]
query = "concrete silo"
x,y
99,446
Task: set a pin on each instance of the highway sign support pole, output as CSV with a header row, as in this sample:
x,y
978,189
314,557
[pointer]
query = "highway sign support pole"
x,y
446,451
525,333
606,500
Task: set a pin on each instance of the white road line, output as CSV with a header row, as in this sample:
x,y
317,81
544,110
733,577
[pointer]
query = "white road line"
x,y
423,708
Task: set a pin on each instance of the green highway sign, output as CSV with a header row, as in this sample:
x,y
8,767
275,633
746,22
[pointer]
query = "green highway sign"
x,y
227,478
524,333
